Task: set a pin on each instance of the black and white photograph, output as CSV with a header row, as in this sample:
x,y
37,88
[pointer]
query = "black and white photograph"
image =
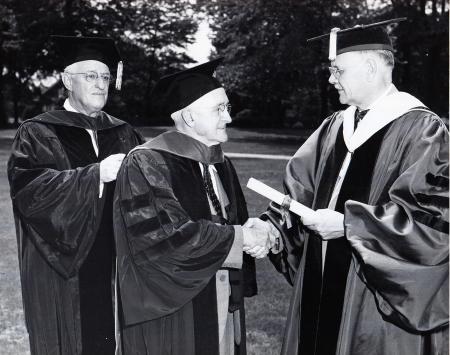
x,y
224,177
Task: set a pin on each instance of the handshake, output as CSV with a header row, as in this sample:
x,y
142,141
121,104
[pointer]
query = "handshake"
x,y
260,237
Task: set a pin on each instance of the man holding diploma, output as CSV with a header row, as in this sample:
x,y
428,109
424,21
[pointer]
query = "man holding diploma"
x,y
370,266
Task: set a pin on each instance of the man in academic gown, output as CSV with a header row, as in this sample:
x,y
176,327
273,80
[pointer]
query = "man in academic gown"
x,y
178,208
370,266
61,172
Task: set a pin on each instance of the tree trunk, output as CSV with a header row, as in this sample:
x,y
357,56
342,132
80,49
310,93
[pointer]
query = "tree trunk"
x,y
438,80
422,6
434,8
68,9
16,99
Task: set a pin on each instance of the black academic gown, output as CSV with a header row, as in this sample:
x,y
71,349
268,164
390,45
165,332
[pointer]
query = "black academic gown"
x,y
64,229
385,284
169,249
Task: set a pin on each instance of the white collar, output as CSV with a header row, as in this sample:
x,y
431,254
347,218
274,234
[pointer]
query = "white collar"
x,y
383,111
69,107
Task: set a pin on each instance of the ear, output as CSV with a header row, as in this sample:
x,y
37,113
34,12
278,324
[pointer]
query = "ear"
x,y
186,115
372,69
67,81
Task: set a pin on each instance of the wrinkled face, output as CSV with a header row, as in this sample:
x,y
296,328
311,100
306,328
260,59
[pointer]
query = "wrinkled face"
x,y
87,95
210,117
349,79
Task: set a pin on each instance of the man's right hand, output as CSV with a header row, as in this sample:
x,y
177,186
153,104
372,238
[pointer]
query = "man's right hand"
x,y
256,242
276,242
109,167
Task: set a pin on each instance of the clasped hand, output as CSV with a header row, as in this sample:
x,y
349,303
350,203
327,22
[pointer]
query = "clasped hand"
x,y
259,237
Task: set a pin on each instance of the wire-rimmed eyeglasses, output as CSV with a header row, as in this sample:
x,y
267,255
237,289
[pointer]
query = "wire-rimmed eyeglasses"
x,y
91,76
335,71
224,107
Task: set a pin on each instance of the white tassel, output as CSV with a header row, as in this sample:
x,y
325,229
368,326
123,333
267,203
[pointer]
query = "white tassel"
x,y
119,75
333,43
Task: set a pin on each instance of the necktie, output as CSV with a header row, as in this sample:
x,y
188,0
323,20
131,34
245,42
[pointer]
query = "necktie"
x,y
96,141
210,190
359,115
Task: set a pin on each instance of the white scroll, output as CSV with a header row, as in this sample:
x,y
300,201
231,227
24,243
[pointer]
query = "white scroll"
x,y
280,199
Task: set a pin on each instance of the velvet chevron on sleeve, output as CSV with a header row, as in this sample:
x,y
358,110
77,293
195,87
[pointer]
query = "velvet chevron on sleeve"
x,y
166,253
171,249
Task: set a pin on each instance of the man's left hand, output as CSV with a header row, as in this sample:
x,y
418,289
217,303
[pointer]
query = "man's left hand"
x,y
327,223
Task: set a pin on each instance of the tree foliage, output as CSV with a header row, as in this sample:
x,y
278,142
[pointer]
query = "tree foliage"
x,y
272,75
150,36
276,78
422,46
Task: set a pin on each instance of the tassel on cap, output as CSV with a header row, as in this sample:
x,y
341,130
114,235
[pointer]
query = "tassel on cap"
x,y
333,43
373,36
119,75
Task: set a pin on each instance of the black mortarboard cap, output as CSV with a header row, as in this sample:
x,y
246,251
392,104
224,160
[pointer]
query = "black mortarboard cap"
x,y
74,49
359,38
176,91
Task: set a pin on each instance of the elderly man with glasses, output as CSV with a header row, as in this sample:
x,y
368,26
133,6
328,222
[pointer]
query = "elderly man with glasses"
x,y
370,266
62,173
178,211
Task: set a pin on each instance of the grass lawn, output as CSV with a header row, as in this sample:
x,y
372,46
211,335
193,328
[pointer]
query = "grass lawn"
x,y
266,312
13,336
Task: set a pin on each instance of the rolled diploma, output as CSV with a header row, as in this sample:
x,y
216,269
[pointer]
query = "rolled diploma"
x,y
277,197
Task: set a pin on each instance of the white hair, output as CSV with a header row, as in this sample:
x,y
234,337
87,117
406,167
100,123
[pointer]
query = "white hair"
x,y
74,66
385,55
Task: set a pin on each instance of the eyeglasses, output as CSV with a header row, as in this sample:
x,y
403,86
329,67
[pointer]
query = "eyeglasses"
x,y
221,108
335,71
91,76
224,107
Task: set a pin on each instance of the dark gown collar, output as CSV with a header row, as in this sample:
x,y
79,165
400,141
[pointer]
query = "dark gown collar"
x,y
79,120
180,144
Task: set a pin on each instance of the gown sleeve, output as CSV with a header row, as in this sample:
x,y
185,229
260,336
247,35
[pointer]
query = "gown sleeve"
x,y
164,257
401,246
58,209
299,183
